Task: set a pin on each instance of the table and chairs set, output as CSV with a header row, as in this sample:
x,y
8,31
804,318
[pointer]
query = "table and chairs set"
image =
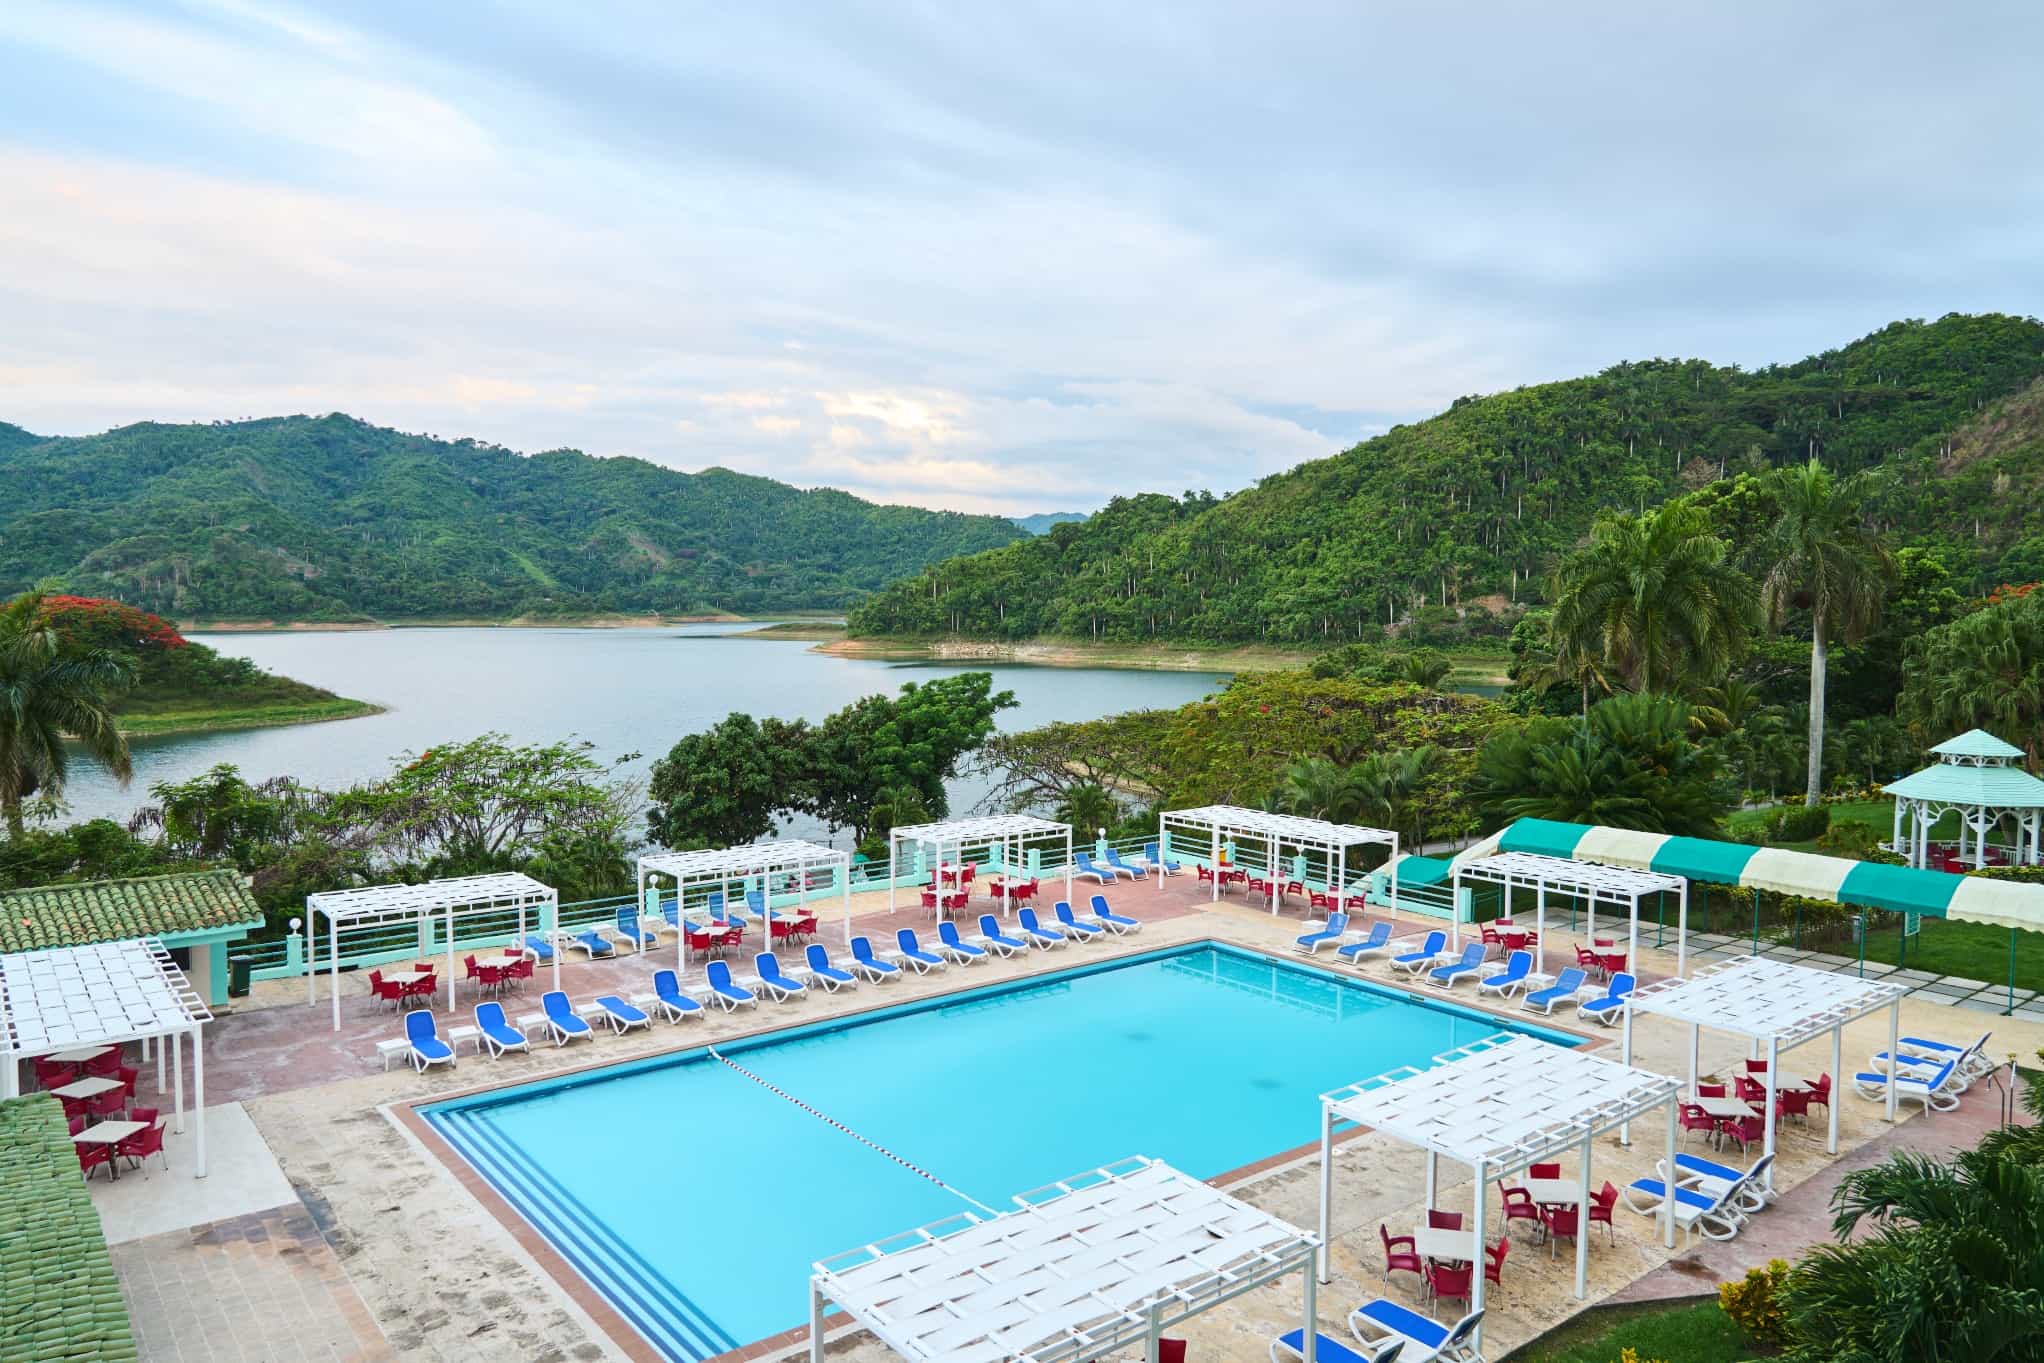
x,y
97,1088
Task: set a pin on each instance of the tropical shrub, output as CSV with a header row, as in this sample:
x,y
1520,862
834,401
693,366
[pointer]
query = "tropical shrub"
x,y
1755,1301
1631,762
1799,823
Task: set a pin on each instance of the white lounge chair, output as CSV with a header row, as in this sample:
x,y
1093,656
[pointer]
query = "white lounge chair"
x,y
1937,1090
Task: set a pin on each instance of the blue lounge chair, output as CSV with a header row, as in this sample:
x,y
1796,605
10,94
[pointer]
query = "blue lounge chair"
x,y
1511,979
1563,989
1085,867
1035,933
1336,929
779,986
1415,961
542,950
713,904
872,967
996,941
1709,1177
674,1003
828,975
427,1047
622,1016
499,1035
1327,1349
561,1022
632,931
1169,868
1118,923
1072,927
1383,1321
670,909
1378,940
1936,1090
949,943
1611,1007
1715,1213
1134,872
723,992
1972,1059
1471,962
592,943
920,961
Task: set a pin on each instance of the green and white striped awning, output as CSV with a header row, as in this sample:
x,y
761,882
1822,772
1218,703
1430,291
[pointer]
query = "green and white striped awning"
x,y
1900,889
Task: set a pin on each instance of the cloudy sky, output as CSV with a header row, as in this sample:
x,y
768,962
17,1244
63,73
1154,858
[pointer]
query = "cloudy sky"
x,y
1008,257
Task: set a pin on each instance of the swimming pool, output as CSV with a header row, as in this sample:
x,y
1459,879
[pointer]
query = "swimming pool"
x,y
695,1199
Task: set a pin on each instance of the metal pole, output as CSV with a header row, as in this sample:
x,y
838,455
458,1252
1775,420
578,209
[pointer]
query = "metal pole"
x,y
1482,1182
1773,1087
1326,1191
450,958
1583,1219
198,1104
1068,863
815,1323
1270,870
1625,1058
177,1082
333,966
1309,1342
1214,863
311,974
1695,1038
1682,931
891,871
1668,1172
1831,1108
1540,920
1894,1045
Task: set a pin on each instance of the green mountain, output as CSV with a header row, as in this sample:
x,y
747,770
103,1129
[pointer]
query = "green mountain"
x,y
1473,506
332,518
1042,521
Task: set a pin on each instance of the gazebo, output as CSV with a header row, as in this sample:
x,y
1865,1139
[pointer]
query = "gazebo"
x,y
1214,824
1009,832
1777,1004
106,994
723,865
1591,882
1982,780
381,905
1084,1268
1499,1105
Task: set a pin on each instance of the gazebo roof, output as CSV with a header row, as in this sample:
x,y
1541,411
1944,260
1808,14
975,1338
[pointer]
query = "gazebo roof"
x,y
1961,783
1284,827
433,896
982,826
97,995
1081,1269
1976,743
1505,1100
1757,997
756,858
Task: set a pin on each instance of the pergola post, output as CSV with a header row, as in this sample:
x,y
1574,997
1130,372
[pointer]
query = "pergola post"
x,y
1540,920
1392,867
311,978
177,1083
333,965
1682,929
1831,1109
1068,863
1894,1045
1480,1177
815,1323
1768,1117
1668,1188
198,1104
1632,941
450,956
1310,1340
892,872
1625,1058
1270,869
1326,1193
1215,864
1583,1217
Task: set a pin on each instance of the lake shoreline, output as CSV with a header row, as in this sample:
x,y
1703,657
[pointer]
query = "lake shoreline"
x,y
257,717
462,622
1069,653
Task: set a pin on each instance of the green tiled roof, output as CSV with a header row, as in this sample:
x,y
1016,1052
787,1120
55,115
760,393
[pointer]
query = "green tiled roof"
x,y
59,1301
114,910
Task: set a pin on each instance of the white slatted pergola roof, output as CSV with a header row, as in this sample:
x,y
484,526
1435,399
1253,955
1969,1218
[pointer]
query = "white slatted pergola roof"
x,y
1499,1105
384,903
1284,827
733,863
1767,1000
104,994
1593,882
1083,1268
987,827
368,906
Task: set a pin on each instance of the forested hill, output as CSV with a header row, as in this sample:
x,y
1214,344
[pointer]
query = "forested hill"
x,y
331,518
1480,501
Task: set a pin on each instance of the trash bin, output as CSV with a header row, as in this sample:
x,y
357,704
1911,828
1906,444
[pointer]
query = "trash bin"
x,y
238,968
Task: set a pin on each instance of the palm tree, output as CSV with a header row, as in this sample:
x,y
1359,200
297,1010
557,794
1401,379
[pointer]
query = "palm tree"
x,y
1823,557
1088,806
1321,789
1427,667
51,689
1654,600
1387,783
1985,671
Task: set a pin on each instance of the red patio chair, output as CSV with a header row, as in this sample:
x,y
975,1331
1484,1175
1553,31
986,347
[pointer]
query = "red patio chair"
x,y
1170,1351
1793,1103
1745,1130
103,1066
1491,938
805,924
930,900
387,991
1710,1090
76,1107
1694,1118
519,971
1519,1206
1602,1203
474,972
1560,1222
143,1114
111,1104
1756,1067
129,1077
1401,1254
780,930
53,1076
1544,1170
91,1157
732,940
144,1143
1440,1220
424,987
1201,873
77,1124
1589,961
1820,1094
1449,1280
1494,1260
1750,1090
702,942
490,978
1320,899
971,870
1296,887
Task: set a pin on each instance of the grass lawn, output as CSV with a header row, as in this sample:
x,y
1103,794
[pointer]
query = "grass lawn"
x,y
1679,1332
193,716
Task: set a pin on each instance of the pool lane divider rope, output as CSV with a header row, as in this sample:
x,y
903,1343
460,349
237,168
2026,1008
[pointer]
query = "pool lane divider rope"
x,y
833,1122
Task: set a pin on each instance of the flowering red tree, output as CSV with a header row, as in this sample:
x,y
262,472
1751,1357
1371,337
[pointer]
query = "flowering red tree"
x,y
95,620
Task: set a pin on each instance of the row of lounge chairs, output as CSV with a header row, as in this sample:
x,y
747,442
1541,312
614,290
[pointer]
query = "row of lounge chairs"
x,y
1386,1331
1135,868
1923,1070
1712,1198
1516,975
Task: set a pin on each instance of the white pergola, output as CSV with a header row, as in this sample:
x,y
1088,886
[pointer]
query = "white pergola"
x,y
1008,831
1276,831
720,866
107,994
1081,1269
1777,1003
1499,1105
380,905
1594,884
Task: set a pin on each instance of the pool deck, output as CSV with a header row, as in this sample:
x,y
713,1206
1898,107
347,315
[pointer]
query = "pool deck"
x,y
384,1250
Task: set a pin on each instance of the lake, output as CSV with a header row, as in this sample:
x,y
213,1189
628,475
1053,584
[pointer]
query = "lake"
x,y
624,690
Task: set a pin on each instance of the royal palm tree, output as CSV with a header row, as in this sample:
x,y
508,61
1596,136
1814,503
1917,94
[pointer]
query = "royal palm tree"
x,y
1654,600
51,689
1822,556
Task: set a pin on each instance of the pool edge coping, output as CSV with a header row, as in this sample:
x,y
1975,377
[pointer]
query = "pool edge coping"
x,y
623,1336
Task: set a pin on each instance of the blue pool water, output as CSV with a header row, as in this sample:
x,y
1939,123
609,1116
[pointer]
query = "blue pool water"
x,y
697,1201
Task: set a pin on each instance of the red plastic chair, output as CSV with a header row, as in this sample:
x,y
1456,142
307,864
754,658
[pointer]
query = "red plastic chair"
x,y
77,1124
1201,873
1694,1118
52,1075
143,1114
1745,1130
1710,1090
129,1077
1544,1171
1449,1280
103,1066
112,1103
1491,938
386,991
971,870
1820,1094
1494,1259
1519,1207
490,978
930,900
1401,1254
805,925
1794,1103
1560,1221
474,972
1440,1220
76,1108
91,1157
423,988
702,943
144,1143
1587,959
1602,1203
780,930
1758,1067
1170,1351
733,939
